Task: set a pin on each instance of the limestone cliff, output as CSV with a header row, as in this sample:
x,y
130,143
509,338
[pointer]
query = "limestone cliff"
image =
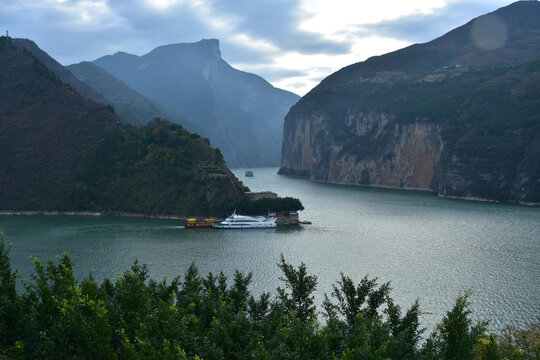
x,y
416,119
396,155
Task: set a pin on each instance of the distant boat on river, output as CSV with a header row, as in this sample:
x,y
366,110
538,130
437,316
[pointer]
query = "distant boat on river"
x,y
249,173
236,221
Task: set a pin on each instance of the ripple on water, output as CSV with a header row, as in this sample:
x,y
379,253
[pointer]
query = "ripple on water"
x,y
429,248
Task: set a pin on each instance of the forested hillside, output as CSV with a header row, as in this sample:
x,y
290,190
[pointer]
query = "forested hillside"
x,y
159,168
46,130
62,151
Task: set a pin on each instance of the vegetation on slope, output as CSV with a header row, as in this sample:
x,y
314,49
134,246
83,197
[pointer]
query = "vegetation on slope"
x,y
159,168
135,317
265,205
484,102
62,151
46,130
489,121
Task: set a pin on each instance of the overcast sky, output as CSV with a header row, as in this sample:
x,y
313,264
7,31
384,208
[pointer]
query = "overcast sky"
x,y
293,44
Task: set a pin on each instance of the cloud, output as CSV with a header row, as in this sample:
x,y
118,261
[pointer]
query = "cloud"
x,y
292,43
420,28
335,19
277,21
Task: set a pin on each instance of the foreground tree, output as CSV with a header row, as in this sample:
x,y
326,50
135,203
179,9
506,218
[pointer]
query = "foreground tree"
x,y
9,301
517,344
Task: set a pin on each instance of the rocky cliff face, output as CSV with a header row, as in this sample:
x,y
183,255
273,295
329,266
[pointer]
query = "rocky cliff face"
x,y
470,130
406,155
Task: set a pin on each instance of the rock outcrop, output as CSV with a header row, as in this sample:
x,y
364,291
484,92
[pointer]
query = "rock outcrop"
x,y
449,116
394,155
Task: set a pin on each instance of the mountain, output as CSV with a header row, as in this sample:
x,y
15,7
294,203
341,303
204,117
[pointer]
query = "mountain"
x,y
46,129
95,83
131,106
63,151
63,74
159,168
241,113
459,115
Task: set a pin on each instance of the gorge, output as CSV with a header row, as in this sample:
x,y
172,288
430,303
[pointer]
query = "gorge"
x,y
453,116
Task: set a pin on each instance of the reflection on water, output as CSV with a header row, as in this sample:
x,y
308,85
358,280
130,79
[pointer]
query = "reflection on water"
x,y
429,248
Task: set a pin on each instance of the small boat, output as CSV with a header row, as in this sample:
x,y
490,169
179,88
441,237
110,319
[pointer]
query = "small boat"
x,y
236,221
249,173
195,224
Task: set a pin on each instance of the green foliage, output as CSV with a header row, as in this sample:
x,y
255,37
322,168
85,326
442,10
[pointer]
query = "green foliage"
x,y
135,317
456,337
516,344
9,301
299,299
360,300
159,168
265,205
488,120
371,321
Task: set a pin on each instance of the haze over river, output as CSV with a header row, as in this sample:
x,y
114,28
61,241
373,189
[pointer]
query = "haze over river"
x,y
429,248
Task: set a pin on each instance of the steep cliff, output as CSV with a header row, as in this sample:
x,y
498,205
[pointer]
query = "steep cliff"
x,y
449,116
241,113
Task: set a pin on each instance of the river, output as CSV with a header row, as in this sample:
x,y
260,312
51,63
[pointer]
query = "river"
x,y
429,248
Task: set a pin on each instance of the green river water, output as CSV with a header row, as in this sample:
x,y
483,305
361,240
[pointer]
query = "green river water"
x,y
429,248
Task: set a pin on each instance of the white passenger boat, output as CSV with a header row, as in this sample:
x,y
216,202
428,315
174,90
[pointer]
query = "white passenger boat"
x,y
236,221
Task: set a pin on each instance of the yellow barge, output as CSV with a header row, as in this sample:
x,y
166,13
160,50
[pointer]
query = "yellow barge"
x,y
196,224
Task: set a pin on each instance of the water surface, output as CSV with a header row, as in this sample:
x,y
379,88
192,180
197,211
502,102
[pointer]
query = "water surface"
x,y
429,248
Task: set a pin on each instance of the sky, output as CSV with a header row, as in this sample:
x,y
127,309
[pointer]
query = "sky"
x,y
293,44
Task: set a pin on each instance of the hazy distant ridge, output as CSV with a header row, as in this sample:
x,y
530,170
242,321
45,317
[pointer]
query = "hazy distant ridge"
x,y
241,113
129,104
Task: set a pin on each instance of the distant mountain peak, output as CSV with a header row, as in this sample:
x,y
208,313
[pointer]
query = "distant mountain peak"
x,y
124,54
213,47
205,48
241,113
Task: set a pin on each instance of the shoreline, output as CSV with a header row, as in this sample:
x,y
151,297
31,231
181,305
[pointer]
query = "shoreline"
x,y
427,191
91,213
